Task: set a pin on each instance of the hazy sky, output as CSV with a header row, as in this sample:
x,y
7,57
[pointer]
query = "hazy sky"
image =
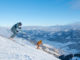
x,y
39,12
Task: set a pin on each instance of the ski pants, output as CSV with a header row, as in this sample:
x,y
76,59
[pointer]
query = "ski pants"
x,y
13,35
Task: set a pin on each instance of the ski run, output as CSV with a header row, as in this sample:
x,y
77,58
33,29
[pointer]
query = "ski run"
x,y
10,50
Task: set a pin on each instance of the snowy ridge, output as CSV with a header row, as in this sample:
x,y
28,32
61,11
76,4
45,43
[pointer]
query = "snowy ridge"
x,y
10,50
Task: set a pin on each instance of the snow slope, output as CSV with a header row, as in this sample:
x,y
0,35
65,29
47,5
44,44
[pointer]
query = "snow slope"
x,y
10,50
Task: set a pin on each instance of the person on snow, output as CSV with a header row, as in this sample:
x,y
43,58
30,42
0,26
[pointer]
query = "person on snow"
x,y
38,44
15,29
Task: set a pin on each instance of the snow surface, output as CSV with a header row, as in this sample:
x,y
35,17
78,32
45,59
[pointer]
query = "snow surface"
x,y
51,44
10,50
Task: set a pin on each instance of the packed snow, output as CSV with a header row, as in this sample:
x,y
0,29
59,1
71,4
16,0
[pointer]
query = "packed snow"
x,y
14,50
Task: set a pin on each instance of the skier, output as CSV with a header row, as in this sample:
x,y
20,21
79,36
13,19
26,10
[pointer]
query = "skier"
x,y
15,29
38,44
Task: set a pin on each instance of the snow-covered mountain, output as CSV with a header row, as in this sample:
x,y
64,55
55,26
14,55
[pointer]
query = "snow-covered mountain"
x,y
66,39
21,49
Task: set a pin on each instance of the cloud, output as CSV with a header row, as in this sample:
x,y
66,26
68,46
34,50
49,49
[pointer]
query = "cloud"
x,y
75,4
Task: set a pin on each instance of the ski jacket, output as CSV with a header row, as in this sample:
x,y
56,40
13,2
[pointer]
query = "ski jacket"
x,y
39,42
15,28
